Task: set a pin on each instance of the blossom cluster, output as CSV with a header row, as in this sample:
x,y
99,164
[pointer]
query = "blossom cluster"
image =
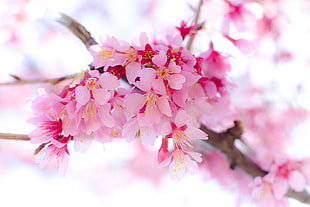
x,y
149,90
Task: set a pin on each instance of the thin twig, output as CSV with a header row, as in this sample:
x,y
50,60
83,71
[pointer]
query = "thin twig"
x,y
77,29
192,38
17,137
52,81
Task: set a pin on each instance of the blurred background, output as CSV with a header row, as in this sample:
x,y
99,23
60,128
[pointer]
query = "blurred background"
x,y
33,45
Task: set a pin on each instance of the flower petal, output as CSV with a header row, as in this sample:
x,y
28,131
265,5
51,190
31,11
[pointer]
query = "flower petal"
x,y
101,96
176,81
195,133
134,102
297,181
82,96
160,59
109,81
164,106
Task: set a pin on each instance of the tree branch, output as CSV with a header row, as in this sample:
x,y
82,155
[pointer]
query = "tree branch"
x,y
17,137
224,142
192,38
77,29
53,81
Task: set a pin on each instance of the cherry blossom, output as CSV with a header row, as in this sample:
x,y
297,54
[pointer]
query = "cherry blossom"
x,y
263,194
285,174
55,152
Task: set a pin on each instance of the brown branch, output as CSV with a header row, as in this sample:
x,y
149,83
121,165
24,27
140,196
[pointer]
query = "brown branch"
x,y
224,142
53,81
16,137
192,38
77,29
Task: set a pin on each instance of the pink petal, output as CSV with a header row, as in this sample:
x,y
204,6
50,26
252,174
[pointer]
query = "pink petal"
x,y
134,102
297,181
190,78
147,76
181,118
152,114
82,96
176,81
160,59
196,156
164,106
106,117
131,71
101,96
147,136
211,89
109,81
280,159
159,86
174,67
130,129
82,142
195,133
279,188
179,97
143,39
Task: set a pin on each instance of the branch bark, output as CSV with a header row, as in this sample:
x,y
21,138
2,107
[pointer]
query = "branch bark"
x,y
77,29
53,81
192,38
17,137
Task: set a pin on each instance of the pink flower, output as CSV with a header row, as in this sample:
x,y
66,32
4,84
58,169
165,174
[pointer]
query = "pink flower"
x,y
112,52
48,105
164,75
47,108
154,107
263,193
45,131
213,63
181,162
286,174
147,54
138,128
56,152
186,30
104,53
88,108
182,133
245,46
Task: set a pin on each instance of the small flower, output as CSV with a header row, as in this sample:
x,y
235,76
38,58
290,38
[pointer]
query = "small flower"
x,y
138,128
182,133
183,162
186,30
45,131
213,63
263,193
47,108
56,152
285,174
147,54
154,107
